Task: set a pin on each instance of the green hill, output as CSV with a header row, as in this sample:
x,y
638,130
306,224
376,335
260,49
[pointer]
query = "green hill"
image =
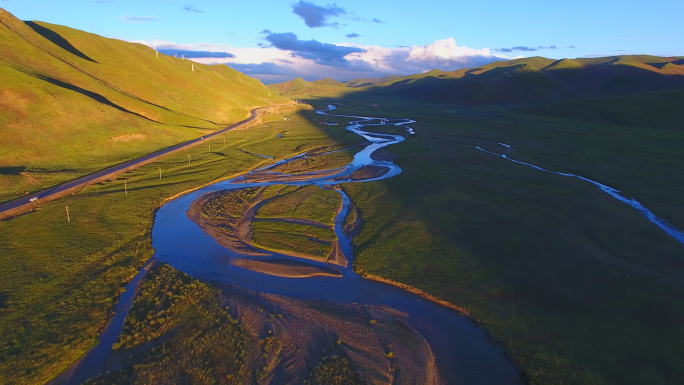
x,y
289,86
563,64
299,84
328,82
366,82
72,102
300,87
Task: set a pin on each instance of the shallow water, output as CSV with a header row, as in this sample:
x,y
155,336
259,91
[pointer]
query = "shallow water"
x,y
92,363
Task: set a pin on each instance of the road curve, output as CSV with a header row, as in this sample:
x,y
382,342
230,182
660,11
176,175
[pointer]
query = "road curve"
x,y
23,204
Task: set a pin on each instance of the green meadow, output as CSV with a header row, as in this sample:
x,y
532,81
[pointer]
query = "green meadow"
x,y
581,287
310,202
293,238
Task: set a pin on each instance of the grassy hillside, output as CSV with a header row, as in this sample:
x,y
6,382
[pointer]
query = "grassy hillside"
x,y
539,80
328,82
366,82
72,102
289,86
522,81
299,85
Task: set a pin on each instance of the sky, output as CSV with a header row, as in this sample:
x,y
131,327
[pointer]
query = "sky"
x,y
276,41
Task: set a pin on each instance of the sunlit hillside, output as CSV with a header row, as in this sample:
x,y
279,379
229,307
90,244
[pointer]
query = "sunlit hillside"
x,y
74,102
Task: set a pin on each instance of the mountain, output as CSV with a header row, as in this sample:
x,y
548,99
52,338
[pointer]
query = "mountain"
x,y
300,84
527,80
72,100
360,82
328,82
289,86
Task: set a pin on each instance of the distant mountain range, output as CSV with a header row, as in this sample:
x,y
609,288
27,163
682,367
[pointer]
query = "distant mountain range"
x,y
525,80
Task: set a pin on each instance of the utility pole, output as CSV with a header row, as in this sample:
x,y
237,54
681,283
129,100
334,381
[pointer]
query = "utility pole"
x,y
188,160
125,188
210,148
193,68
67,211
159,172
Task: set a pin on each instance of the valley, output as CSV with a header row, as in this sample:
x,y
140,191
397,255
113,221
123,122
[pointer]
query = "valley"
x,y
515,222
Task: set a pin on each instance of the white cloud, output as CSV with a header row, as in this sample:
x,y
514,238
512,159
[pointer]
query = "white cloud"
x,y
444,49
138,19
273,65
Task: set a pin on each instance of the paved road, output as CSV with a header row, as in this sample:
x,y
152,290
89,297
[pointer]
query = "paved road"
x,y
84,180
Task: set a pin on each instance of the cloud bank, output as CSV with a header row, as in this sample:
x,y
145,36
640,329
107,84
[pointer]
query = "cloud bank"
x,y
286,57
320,53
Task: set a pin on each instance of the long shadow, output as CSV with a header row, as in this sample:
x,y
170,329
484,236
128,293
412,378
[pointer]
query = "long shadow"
x,y
11,170
61,42
57,39
93,95
97,97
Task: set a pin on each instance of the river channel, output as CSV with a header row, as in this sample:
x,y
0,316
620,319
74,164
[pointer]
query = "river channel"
x,y
463,352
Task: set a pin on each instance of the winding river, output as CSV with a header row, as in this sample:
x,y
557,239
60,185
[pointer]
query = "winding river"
x,y
463,352
644,211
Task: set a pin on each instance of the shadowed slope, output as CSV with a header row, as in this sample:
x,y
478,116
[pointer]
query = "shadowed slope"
x,y
57,40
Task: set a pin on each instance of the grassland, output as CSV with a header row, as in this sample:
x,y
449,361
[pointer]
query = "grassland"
x,y
293,238
72,103
540,259
309,202
320,162
59,279
289,219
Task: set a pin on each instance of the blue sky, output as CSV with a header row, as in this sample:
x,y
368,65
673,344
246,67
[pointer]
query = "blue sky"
x,y
279,40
